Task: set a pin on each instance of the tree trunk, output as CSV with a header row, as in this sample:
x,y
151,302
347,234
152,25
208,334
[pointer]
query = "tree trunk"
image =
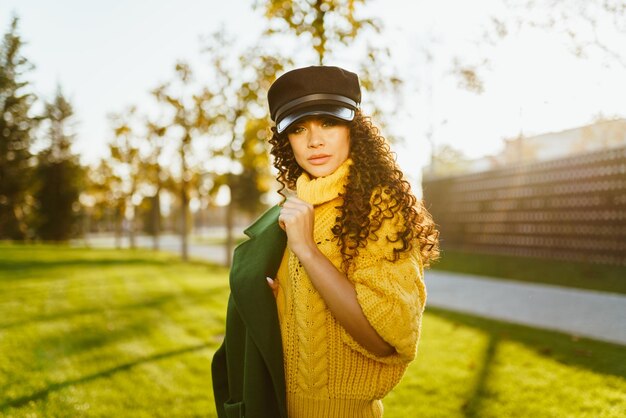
x,y
131,222
184,204
118,227
87,214
156,220
230,212
184,224
131,230
156,212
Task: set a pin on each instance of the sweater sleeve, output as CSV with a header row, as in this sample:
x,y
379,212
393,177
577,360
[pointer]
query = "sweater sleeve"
x,y
392,294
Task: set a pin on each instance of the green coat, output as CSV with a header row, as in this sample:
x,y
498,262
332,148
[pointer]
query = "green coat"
x,y
247,370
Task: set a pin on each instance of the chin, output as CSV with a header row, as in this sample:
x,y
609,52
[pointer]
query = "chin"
x,y
320,171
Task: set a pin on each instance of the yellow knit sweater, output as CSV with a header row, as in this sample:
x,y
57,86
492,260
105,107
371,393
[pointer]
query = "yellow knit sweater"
x,y
328,374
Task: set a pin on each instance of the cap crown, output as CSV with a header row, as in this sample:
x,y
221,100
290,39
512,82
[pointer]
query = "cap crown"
x,y
315,85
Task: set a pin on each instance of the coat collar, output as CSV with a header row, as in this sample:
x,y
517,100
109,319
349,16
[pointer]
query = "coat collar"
x,y
253,261
265,221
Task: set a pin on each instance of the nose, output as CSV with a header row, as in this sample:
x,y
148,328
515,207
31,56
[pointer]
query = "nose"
x,y
316,137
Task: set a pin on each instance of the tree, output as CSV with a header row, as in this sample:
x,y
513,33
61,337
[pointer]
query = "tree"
x,y
192,116
153,176
16,124
103,191
596,26
590,28
255,179
329,26
126,160
326,22
448,161
242,83
59,174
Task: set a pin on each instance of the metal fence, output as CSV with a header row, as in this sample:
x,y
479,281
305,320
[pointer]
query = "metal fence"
x,y
568,209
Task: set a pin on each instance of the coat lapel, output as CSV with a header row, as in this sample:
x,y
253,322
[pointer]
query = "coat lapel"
x,y
254,260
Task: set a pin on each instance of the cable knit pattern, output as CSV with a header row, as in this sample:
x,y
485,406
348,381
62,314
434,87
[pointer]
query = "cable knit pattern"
x,y
310,316
328,373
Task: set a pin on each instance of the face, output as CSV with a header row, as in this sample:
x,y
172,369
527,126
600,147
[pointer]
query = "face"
x,y
320,144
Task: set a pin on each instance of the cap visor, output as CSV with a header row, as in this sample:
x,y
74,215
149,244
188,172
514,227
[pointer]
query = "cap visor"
x,y
337,112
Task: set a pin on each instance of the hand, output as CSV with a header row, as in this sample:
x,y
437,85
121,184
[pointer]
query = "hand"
x,y
273,285
296,219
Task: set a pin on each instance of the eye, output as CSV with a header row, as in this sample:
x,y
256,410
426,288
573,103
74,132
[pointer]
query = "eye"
x,y
295,130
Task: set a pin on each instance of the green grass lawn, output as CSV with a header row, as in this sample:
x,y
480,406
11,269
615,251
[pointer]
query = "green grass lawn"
x,y
606,278
201,240
104,333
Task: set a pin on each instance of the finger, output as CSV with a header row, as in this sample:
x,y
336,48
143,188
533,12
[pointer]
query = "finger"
x,y
295,202
273,286
290,204
288,215
298,207
283,217
287,193
283,221
272,283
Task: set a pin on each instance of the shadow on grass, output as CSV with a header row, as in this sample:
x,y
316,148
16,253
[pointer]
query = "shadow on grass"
x,y
561,347
42,394
29,266
471,407
156,302
84,337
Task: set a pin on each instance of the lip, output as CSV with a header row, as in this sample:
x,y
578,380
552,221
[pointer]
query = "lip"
x,y
319,159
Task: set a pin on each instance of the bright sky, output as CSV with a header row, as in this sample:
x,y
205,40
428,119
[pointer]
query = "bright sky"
x,y
108,55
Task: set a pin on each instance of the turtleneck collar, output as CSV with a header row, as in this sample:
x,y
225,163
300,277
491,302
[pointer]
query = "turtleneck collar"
x,y
323,189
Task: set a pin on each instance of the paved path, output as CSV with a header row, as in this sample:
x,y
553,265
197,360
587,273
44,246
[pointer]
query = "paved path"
x,y
169,243
598,315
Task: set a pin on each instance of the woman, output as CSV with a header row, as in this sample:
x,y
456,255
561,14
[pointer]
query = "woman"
x,y
349,287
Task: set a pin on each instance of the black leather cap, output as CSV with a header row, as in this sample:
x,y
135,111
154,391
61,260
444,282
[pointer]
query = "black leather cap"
x,y
315,90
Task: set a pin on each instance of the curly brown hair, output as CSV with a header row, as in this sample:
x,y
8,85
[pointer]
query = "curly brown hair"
x,y
363,210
